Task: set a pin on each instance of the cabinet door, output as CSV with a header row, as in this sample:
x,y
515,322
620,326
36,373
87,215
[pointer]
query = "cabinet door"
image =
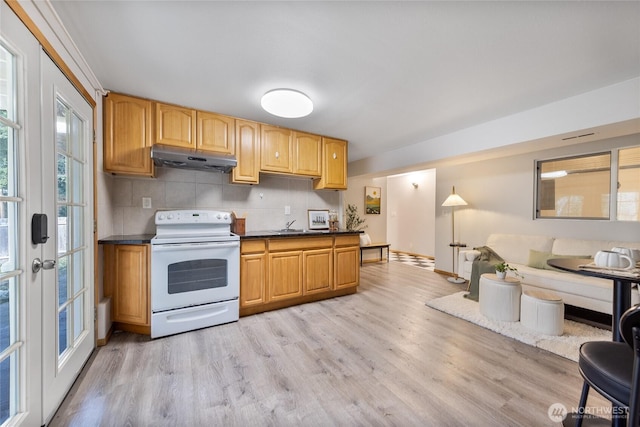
x,y
252,279
334,167
285,275
275,149
247,153
307,151
127,135
215,133
317,267
127,273
175,126
347,268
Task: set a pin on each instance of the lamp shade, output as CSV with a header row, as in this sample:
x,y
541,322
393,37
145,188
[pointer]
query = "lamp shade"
x,y
454,199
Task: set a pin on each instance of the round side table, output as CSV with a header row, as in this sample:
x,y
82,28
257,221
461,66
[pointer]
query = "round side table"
x,y
500,298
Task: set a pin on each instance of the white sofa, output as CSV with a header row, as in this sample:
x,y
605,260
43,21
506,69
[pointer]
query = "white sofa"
x,y
577,290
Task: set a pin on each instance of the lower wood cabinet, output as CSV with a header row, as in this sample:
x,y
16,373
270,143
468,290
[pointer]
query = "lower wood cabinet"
x,y
345,254
283,271
253,268
285,275
127,277
317,266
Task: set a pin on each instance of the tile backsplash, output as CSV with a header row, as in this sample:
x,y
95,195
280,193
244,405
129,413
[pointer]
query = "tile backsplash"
x,y
264,204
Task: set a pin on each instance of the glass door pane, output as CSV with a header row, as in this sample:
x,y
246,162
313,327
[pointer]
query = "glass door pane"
x,y
71,221
10,277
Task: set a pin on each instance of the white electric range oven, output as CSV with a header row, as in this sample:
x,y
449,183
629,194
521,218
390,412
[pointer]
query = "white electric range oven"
x,y
195,271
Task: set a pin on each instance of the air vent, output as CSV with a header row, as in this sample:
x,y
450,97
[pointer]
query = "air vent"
x,y
578,136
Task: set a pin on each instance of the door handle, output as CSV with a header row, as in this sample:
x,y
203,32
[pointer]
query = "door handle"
x,y
47,264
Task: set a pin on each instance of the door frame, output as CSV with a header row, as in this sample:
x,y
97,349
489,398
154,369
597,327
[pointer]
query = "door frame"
x,y
66,70
55,27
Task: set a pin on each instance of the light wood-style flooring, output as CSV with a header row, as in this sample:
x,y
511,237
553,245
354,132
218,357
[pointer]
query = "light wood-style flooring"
x,y
376,358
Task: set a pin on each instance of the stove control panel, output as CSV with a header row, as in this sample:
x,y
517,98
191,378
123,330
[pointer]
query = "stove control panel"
x,y
192,217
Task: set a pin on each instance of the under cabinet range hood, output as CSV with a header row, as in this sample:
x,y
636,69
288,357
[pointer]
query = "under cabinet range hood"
x,y
182,158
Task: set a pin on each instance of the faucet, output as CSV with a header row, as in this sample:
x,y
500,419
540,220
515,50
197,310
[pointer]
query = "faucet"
x,y
288,224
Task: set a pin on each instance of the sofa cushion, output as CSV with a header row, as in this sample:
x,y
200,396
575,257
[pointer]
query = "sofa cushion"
x,y
514,248
365,240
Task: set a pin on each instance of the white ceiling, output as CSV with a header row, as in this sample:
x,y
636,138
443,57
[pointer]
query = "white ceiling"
x,y
382,75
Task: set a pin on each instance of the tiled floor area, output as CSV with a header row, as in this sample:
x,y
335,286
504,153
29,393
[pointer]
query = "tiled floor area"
x,y
416,261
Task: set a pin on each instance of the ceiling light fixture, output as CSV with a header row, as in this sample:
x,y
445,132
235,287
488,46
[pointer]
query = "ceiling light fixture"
x,y
287,103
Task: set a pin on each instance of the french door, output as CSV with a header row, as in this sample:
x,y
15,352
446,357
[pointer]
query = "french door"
x,y
67,286
46,284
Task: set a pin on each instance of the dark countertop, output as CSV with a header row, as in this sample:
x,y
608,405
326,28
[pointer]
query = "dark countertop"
x,y
127,239
267,234
139,239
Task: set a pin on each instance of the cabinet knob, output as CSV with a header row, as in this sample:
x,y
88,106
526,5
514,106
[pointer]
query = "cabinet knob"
x,y
277,155
335,156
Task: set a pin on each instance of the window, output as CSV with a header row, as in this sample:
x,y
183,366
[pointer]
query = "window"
x,y
581,187
574,187
628,206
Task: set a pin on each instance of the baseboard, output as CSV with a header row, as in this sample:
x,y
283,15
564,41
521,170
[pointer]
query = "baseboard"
x,y
444,273
103,341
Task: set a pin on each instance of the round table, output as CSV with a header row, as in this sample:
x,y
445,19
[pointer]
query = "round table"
x,y
500,298
621,287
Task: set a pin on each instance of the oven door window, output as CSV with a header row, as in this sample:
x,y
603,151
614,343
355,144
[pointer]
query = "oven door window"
x,y
197,275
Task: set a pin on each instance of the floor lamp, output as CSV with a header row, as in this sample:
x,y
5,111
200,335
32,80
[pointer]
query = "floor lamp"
x,y
454,200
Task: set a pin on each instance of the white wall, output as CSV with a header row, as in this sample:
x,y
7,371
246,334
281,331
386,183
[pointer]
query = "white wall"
x,y
376,225
500,194
186,189
411,219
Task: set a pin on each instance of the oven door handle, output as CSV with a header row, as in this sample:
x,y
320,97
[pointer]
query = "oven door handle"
x,y
192,246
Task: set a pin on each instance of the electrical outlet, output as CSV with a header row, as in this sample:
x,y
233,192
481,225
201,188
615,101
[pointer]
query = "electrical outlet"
x,y
146,203
287,210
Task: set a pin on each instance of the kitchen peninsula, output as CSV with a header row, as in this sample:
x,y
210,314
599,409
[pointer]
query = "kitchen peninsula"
x,y
284,268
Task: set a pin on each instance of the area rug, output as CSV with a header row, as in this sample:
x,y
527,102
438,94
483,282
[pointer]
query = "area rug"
x,y
567,345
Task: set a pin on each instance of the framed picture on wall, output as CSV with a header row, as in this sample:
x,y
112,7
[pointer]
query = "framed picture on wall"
x,y
318,219
372,198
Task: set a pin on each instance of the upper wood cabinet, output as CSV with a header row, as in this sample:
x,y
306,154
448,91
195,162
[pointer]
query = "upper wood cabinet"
x,y
132,125
307,154
175,126
215,133
128,135
275,146
247,153
334,165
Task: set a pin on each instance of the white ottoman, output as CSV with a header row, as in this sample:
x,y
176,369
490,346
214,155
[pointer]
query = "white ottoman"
x,y
500,298
542,312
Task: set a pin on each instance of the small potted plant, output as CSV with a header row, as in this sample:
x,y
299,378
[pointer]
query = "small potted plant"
x,y
503,268
354,222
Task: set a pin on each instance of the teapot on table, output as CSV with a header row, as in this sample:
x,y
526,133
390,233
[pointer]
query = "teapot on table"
x,y
613,259
634,254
